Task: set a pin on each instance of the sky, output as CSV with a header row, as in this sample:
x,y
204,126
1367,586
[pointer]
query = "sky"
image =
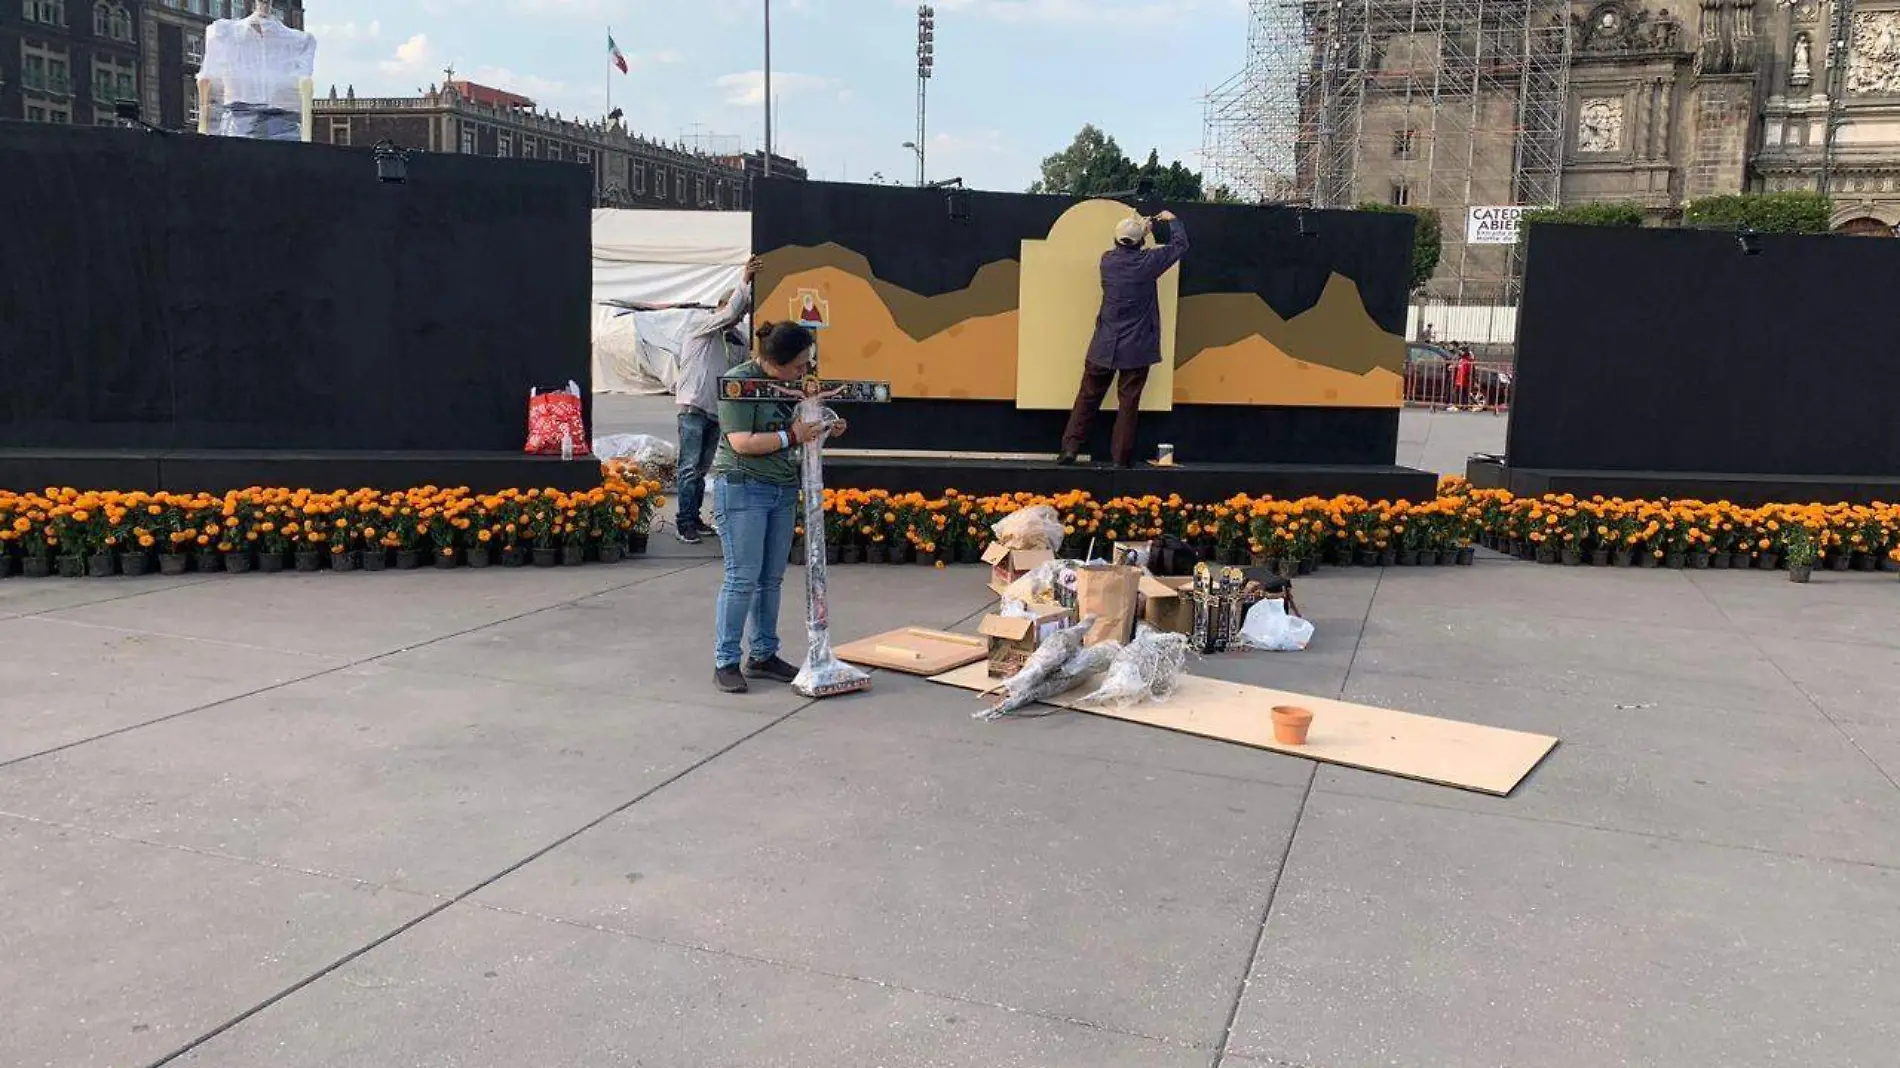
x,y
1014,79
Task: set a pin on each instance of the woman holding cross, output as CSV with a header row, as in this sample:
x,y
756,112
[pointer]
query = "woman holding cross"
x,y
755,491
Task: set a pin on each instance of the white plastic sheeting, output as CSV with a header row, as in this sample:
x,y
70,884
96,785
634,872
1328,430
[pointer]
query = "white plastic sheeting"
x,y
658,257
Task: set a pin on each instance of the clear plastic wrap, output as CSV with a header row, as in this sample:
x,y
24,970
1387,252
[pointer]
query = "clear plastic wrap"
x,y
655,458
256,67
823,674
1147,669
1035,527
1048,671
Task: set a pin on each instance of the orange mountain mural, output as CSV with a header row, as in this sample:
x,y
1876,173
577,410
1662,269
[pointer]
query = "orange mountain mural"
x,y
968,359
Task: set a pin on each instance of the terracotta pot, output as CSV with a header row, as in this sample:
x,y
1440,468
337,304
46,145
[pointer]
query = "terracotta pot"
x,y
1290,724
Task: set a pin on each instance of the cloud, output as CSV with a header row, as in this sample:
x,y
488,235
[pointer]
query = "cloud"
x,y
529,85
412,56
334,35
747,88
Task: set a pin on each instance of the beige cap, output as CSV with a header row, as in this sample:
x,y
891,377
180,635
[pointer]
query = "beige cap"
x,y
1132,230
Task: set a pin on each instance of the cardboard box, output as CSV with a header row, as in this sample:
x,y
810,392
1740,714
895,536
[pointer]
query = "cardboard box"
x,y
1008,565
1166,605
1013,638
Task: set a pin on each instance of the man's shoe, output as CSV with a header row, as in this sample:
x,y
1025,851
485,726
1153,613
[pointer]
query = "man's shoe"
x,y
1067,459
689,535
729,680
774,669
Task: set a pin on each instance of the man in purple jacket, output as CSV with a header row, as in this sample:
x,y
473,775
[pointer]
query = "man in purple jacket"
x,y
1127,337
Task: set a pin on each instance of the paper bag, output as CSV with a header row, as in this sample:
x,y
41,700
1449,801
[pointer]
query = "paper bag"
x,y
1109,593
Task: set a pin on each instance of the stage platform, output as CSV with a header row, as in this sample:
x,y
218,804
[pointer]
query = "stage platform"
x,y
1745,490
988,476
219,470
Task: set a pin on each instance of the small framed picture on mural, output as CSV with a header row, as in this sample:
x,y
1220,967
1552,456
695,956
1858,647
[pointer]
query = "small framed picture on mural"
x,y
811,310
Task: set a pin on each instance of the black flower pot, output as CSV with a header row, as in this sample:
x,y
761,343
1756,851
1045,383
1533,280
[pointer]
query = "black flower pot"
x,y
408,559
1676,561
796,554
967,554
348,560
135,563
1888,563
1467,556
1287,568
1719,561
446,560
172,564
877,554
1699,561
1647,559
101,565
1864,562
70,566
514,556
270,562
308,560
1599,558
637,543
1799,572
1546,554
1228,557
1622,558
1308,566
480,557
1388,557
851,554
899,554
1342,556
1366,558
611,552
1768,561
573,555
1408,557
36,566
6,564
237,561
1741,562
833,552
375,559
1572,558
1839,562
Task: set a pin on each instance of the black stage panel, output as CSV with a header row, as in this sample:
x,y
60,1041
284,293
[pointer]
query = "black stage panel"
x,y
1199,483
1670,353
1225,433
221,470
193,293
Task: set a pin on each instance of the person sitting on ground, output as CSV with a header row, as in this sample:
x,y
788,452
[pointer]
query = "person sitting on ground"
x,y
1127,339
707,352
755,491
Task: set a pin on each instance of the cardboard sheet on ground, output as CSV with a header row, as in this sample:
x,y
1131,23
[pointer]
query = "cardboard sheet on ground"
x,y
1468,756
915,650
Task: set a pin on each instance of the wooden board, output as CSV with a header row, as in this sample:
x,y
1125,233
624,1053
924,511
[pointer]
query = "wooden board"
x,y
1468,756
916,651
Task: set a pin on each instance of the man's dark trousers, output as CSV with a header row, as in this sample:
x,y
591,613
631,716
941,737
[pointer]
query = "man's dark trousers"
x,y
1088,401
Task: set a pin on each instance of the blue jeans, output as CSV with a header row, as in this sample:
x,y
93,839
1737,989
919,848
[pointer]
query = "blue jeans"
x,y
699,442
758,518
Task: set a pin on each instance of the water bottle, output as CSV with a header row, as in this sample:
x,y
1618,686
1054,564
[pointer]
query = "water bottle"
x,y
567,444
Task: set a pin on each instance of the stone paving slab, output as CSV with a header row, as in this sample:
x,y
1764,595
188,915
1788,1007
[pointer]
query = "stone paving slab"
x,y
422,782
61,683
1409,936
118,952
478,987
1126,898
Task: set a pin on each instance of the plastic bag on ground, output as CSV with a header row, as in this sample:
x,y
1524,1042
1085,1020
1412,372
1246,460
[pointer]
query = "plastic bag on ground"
x,y
1269,627
1036,527
655,458
1147,669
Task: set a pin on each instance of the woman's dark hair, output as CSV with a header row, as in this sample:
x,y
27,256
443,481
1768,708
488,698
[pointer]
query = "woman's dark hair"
x,y
781,343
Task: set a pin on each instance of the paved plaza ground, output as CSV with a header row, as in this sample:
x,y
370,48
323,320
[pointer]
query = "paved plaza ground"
x,y
502,820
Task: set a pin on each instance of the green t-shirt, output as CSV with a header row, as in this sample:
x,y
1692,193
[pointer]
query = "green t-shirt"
x,y
735,417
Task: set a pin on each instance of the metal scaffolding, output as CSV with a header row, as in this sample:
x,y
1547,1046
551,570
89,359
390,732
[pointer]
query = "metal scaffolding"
x,y
1447,104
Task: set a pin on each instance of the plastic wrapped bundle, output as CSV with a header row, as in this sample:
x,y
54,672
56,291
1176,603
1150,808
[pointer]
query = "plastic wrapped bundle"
x,y
256,67
1082,664
823,674
1042,666
1147,669
654,458
1049,581
1036,527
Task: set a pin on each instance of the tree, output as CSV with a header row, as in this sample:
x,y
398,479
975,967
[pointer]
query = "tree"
x,y
1095,165
1427,239
1769,213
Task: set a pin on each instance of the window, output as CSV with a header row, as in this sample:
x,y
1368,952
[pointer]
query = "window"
x,y
583,156
35,113
339,131
101,20
637,176
114,79
505,146
528,147
43,69
659,182
50,12
468,139
191,103
195,49
699,192
679,186
121,25
1402,144
1401,194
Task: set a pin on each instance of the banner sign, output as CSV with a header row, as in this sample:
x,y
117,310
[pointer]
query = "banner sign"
x,y
1493,225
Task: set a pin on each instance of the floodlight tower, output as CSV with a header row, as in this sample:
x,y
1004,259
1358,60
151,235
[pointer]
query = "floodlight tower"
x,y
926,62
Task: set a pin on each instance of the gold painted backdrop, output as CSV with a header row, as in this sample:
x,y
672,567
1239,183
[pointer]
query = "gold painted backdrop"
x,y
1018,331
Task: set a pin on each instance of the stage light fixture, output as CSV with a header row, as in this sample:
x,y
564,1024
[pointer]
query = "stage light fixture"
x,y
392,163
1749,241
130,113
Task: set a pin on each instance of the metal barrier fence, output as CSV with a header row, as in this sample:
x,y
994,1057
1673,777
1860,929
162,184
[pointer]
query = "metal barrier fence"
x,y
1471,324
1435,384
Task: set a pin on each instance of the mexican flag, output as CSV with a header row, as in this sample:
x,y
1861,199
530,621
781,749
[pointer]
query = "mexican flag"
x,y
614,51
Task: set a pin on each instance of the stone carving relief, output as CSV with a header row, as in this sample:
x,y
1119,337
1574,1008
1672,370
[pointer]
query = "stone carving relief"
x,y
1873,63
1805,10
1600,124
1612,28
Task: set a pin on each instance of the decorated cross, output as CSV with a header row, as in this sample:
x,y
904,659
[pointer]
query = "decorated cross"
x,y
823,674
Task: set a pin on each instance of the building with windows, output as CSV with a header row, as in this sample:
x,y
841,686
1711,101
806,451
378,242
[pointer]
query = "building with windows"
x,y
74,60
629,170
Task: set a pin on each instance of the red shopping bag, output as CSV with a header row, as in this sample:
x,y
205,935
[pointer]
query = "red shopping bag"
x,y
556,426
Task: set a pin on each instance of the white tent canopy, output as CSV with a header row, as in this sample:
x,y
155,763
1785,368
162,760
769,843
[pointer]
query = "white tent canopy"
x,y
657,257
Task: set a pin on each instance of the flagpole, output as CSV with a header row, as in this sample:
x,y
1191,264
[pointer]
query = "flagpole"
x,y
610,78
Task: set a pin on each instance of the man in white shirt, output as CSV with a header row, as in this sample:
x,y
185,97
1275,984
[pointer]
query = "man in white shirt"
x,y
708,350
